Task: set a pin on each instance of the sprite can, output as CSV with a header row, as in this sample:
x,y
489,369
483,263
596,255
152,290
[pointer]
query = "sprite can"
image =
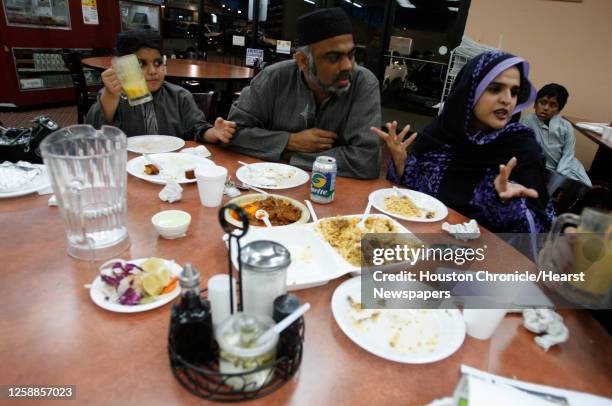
x,y
323,181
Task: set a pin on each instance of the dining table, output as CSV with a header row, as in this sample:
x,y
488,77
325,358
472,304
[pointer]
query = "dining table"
x,y
52,333
187,69
600,167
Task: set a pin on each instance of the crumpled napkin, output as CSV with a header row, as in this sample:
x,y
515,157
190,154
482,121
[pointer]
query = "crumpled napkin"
x,y
231,190
463,232
52,201
13,176
545,321
172,192
200,150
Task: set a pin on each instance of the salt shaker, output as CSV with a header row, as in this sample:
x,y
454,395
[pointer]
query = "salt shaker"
x,y
264,275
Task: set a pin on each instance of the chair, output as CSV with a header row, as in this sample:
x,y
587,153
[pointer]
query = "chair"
x,y
84,98
564,192
207,102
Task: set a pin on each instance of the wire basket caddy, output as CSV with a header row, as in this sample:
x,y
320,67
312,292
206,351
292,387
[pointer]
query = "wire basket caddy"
x,y
206,381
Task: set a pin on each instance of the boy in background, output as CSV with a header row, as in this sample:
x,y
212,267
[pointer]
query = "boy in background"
x,y
173,110
555,134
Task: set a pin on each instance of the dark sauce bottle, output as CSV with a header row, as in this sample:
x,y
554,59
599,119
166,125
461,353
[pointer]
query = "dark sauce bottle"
x,y
191,321
289,342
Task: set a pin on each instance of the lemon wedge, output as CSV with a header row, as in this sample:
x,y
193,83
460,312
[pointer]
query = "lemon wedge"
x,y
164,275
152,284
153,265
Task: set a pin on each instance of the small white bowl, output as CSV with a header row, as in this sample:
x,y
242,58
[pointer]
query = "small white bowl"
x,y
171,224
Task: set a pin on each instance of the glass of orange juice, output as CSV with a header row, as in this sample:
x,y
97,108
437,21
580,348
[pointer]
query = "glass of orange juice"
x,y
132,79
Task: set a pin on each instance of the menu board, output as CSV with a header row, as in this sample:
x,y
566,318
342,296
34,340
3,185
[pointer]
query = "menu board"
x,y
37,13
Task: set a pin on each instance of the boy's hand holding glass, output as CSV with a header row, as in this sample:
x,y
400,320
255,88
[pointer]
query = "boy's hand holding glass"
x,y
111,82
222,131
510,190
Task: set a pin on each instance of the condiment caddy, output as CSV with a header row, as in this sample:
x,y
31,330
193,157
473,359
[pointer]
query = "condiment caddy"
x,y
244,356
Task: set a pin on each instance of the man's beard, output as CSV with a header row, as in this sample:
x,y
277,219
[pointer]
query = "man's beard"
x,y
329,89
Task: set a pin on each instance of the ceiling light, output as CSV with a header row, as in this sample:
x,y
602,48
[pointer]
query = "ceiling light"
x,y
406,3
455,9
309,1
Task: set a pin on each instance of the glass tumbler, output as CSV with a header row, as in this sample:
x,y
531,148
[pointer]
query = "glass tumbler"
x,y
132,79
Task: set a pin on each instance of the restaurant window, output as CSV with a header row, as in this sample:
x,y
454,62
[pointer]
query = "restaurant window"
x,y
367,18
179,23
225,30
37,13
422,33
139,16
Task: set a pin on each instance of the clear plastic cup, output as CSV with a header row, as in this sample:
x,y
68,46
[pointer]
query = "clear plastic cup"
x,y
240,353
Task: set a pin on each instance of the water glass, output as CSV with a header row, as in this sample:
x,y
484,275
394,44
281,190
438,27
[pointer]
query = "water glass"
x,y
87,169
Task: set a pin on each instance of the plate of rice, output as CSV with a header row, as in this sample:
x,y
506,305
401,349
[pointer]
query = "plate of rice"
x,y
409,205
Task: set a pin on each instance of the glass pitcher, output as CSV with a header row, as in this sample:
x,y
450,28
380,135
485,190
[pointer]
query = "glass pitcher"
x,y
585,253
87,168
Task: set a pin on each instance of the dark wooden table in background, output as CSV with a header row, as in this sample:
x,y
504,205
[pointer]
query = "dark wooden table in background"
x,y
187,69
601,168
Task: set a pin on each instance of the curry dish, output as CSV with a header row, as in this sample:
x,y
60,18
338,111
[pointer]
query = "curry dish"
x,y
281,212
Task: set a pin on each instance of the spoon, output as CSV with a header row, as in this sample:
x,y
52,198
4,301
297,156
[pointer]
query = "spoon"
x,y
262,215
365,216
283,324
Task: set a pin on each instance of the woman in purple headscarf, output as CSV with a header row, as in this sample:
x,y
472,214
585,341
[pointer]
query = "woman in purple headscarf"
x,y
474,157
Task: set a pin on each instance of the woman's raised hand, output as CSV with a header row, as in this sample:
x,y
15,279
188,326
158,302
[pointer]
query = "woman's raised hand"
x,y
510,190
396,143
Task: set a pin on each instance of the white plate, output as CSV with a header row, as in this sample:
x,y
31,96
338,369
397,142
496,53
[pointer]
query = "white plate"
x,y
97,295
595,127
445,326
173,161
313,261
154,144
40,181
267,175
420,199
